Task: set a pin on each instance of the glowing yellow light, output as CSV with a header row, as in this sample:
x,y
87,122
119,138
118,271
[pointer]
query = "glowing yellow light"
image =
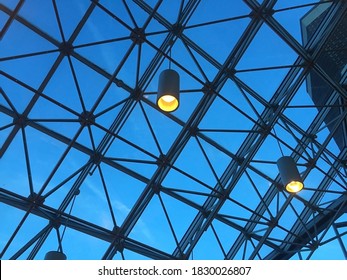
x,y
294,186
168,103
168,98
290,175
168,90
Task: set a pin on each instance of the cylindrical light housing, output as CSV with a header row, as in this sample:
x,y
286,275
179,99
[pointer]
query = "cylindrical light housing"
x,y
168,90
290,175
55,255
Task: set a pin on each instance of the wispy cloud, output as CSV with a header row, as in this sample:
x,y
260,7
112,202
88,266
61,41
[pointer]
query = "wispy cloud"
x,y
122,210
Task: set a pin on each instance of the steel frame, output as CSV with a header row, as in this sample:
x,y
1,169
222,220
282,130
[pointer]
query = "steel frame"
x,y
310,225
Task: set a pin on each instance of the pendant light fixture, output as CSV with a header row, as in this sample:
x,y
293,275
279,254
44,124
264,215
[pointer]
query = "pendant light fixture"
x,y
55,255
290,175
168,90
168,96
58,254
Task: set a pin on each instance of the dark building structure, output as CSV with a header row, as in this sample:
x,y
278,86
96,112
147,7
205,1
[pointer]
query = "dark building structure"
x,y
332,60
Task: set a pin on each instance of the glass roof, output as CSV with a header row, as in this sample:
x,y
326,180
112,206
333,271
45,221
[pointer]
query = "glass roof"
x,y
91,166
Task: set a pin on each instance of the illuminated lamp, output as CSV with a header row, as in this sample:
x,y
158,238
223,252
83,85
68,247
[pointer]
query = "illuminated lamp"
x,y
168,90
290,175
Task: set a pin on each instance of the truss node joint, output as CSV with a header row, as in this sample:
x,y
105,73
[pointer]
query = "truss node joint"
x,y
205,213
21,121
77,192
247,235
162,160
156,188
240,160
278,186
265,129
311,163
274,107
116,229
193,131
272,222
222,194
183,256
309,63
66,48
138,36
230,72
36,199
55,223
86,118
96,158
136,94
268,12
262,13
314,245
208,88
119,83
119,245
177,29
